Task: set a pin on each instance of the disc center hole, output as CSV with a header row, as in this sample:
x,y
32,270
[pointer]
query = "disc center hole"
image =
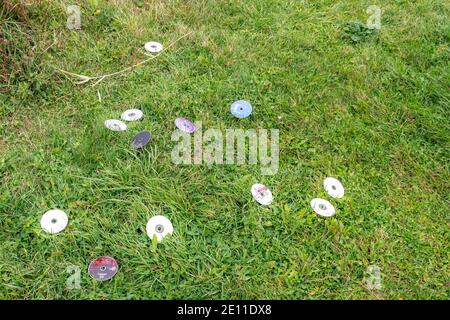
x,y
322,206
159,228
102,268
54,220
333,187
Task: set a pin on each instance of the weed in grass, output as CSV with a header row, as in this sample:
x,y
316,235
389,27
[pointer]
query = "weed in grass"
x,y
357,31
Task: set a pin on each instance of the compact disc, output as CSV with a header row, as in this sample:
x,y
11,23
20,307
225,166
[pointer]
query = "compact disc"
x,y
103,268
322,207
185,125
132,115
334,187
54,221
262,194
153,47
159,226
141,140
115,125
241,109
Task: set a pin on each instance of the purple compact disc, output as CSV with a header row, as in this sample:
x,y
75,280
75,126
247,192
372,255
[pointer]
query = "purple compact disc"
x,y
141,140
103,268
185,125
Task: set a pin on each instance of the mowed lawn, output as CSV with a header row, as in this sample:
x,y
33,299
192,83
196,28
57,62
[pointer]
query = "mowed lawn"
x,y
373,113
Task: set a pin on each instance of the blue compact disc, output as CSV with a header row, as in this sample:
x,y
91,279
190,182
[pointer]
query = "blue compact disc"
x,y
241,109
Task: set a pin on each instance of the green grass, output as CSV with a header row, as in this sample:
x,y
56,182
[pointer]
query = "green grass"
x,y
374,114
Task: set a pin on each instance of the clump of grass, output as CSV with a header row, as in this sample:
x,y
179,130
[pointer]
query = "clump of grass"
x,y
16,49
16,9
356,31
23,44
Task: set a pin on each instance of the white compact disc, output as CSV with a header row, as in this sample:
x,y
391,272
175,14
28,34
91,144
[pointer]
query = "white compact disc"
x,y
262,194
153,47
132,115
115,125
54,221
159,226
334,187
322,207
